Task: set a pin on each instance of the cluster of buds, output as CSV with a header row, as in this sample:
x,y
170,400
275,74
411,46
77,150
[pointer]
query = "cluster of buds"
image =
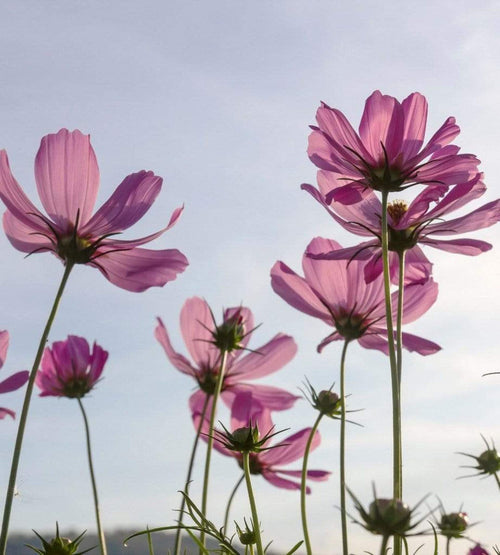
x,y
60,546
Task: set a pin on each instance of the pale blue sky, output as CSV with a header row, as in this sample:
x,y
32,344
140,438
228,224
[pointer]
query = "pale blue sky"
x,y
217,97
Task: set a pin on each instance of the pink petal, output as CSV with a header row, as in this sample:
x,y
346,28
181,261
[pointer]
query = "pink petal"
x,y
419,344
417,299
98,360
444,135
246,317
458,196
415,119
67,176
469,247
382,126
265,360
14,382
335,336
6,412
290,449
272,398
449,170
482,217
372,340
196,326
178,361
297,292
4,345
128,204
27,238
420,205
138,269
272,477
316,475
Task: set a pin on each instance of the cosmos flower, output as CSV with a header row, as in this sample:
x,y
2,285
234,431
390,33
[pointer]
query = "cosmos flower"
x,y
13,382
67,179
270,457
69,369
410,226
335,291
198,328
388,154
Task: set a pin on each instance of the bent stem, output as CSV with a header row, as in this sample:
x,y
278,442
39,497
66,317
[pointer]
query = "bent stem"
x,y
303,486
255,518
343,511
230,501
178,539
24,413
218,389
100,532
396,405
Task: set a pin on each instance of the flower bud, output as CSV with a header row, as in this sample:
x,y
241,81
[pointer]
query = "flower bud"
x,y
59,546
389,517
452,525
247,535
229,335
488,461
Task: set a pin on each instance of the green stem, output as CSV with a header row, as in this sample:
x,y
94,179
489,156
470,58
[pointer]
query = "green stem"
x,y
255,518
216,395
448,541
230,501
343,510
100,532
303,486
399,321
178,538
497,479
24,413
383,547
396,407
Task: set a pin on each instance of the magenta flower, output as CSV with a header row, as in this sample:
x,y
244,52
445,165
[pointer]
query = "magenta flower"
x,y
13,382
69,369
247,411
197,327
67,179
336,292
477,550
421,223
387,155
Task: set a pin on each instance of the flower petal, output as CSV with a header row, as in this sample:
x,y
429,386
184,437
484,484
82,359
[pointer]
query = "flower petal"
x,y
67,176
14,382
4,346
6,412
178,361
27,237
469,247
270,397
138,269
415,119
290,449
419,344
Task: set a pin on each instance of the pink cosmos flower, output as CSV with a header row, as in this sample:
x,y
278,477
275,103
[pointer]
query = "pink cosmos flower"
x,y
197,327
67,179
421,223
69,369
387,155
477,550
13,382
247,411
336,292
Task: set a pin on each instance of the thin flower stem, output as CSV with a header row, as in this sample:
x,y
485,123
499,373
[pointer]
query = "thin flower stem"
x,y
399,321
343,510
448,541
497,479
255,518
303,486
230,501
396,406
383,547
210,442
24,413
178,539
100,532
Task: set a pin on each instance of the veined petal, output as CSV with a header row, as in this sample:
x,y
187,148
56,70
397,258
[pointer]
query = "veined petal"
x,y
196,326
469,247
128,204
273,478
458,196
178,361
444,135
415,120
270,397
420,205
265,360
138,269
382,126
297,292
335,336
27,238
67,176
449,170
14,382
98,360
417,300
485,216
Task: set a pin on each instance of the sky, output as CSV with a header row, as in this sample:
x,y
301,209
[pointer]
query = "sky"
x,y
216,97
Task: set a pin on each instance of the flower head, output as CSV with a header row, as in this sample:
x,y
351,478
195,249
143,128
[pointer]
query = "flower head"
x,y
411,226
198,329
69,369
13,382
388,154
67,178
335,291
60,546
453,525
250,418
327,402
488,462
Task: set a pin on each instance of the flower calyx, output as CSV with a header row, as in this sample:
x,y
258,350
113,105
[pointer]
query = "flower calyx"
x,y
59,545
453,525
245,439
488,462
327,402
246,535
